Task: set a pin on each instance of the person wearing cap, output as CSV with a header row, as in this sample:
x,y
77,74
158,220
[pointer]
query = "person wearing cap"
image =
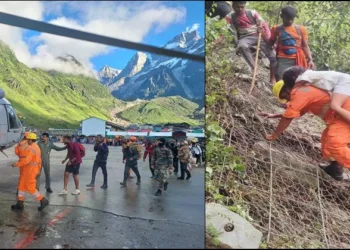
x,y
302,99
162,160
246,22
292,43
29,165
184,157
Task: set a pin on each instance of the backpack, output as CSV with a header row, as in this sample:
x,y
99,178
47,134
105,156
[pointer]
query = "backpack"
x,y
82,150
249,15
288,40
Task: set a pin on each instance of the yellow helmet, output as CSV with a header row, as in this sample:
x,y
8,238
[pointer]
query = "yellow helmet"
x,y
194,140
31,136
276,90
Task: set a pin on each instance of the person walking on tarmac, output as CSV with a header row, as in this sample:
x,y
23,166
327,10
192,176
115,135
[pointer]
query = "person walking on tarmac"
x,y
184,157
130,155
73,165
46,146
100,162
162,160
29,164
174,150
19,150
149,151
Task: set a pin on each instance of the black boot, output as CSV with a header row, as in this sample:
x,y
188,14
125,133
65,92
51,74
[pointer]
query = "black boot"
x,y
49,190
90,185
335,171
104,186
18,206
123,184
166,185
158,193
138,182
188,177
43,203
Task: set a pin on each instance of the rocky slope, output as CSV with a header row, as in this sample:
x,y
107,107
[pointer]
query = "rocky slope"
x,y
107,74
280,186
149,76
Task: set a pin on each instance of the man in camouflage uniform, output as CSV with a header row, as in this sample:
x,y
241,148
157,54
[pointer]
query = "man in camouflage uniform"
x,y
162,160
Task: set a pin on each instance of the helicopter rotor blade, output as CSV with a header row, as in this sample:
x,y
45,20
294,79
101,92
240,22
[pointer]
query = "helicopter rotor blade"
x,y
4,153
31,24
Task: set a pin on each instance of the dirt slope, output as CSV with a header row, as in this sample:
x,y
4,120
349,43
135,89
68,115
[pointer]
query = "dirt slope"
x,y
293,203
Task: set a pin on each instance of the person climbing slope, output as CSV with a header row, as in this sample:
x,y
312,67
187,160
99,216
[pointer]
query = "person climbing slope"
x,y
336,83
246,22
292,43
29,165
304,99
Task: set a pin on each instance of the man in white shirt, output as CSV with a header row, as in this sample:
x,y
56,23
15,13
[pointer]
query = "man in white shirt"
x,y
196,151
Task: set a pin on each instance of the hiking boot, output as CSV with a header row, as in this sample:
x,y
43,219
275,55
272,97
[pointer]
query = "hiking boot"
x,y
49,190
104,186
123,184
43,203
138,182
18,206
335,171
90,185
158,193
166,185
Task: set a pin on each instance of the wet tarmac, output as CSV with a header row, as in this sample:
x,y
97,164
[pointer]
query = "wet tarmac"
x,y
118,217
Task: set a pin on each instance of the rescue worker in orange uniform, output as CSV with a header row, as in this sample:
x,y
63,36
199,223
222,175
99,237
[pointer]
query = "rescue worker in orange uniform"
x,y
304,99
29,165
20,148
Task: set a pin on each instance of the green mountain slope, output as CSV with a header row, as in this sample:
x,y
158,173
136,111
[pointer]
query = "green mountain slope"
x,y
161,110
51,100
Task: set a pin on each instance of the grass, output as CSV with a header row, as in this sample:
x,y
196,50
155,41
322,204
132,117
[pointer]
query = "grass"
x,y
48,99
174,109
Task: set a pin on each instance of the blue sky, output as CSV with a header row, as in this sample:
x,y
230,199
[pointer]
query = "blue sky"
x,y
118,58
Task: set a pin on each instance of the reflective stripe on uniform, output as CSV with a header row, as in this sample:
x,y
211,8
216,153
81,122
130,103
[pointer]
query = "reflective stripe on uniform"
x,y
37,194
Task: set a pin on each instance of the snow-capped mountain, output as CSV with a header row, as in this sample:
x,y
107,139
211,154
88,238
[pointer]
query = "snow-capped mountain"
x,y
148,76
107,75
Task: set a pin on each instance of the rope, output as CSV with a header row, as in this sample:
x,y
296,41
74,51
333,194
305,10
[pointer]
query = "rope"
x,y
319,197
270,209
30,24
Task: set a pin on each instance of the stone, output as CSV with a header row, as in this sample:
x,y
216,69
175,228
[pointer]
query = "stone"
x,y
233,230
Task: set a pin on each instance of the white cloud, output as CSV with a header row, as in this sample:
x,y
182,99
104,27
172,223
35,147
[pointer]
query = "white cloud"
x,y
193,28
125,20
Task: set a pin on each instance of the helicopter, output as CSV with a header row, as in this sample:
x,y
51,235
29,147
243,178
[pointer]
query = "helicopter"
x,y
11,129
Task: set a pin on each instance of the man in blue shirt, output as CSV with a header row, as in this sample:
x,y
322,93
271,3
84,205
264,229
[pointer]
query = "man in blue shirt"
x,y
100,162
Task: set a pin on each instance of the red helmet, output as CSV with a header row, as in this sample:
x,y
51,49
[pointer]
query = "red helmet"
x,y
133,138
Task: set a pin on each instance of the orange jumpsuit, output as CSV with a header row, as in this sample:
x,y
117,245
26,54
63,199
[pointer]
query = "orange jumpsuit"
x,y
29,165
20,150
336,137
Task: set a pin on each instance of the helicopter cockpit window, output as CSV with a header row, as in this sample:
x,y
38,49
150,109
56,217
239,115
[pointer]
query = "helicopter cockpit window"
x,y
13,120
